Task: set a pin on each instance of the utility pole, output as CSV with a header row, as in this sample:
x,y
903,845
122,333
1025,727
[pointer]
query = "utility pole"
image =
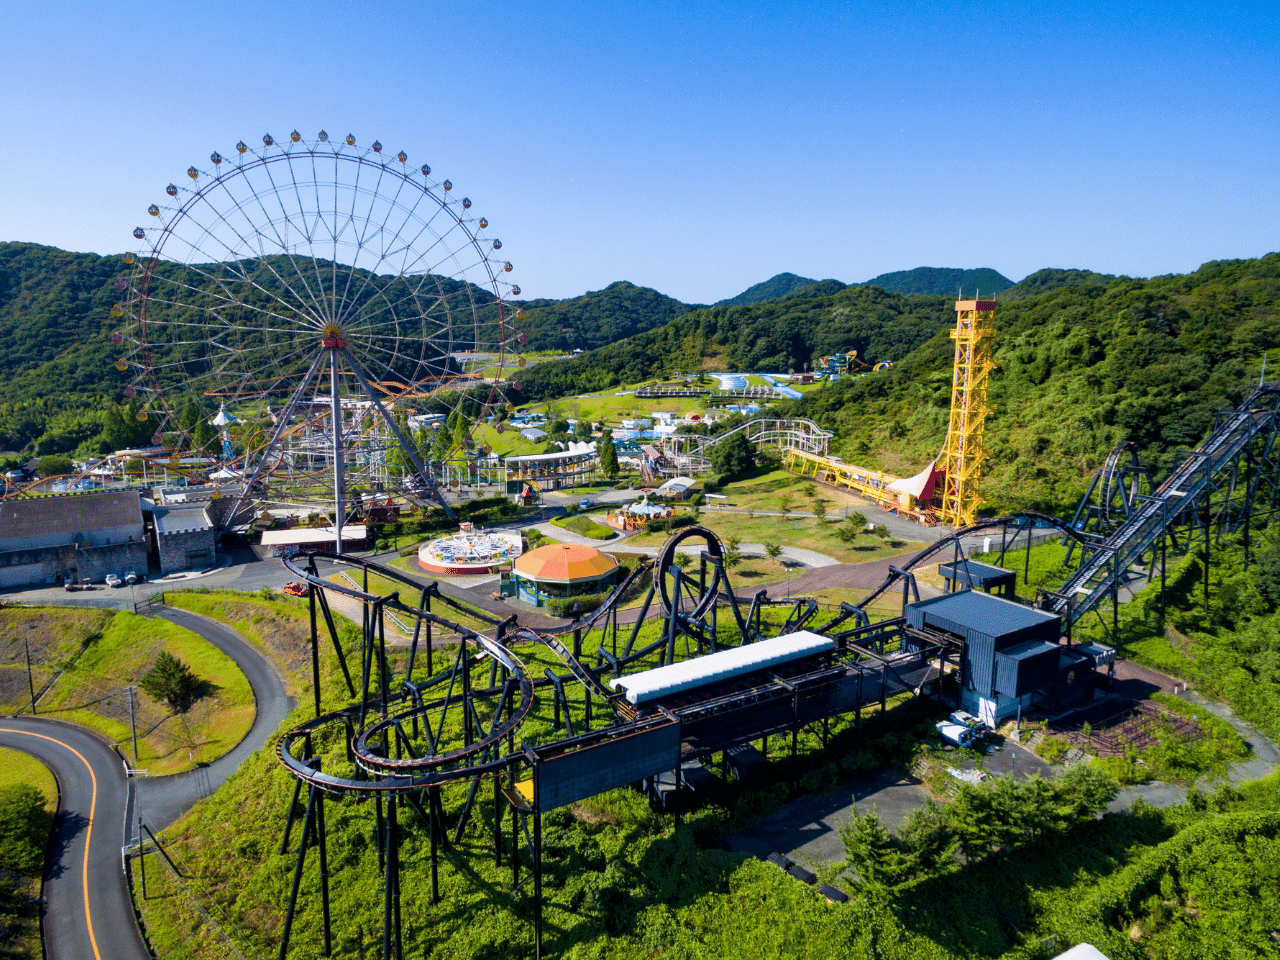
x,y
31,686
133,729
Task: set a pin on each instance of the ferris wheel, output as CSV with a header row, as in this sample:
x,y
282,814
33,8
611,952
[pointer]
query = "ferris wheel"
x,y
299,313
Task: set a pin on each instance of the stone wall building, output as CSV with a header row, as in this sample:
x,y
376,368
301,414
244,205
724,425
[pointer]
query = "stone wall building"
x,y
186,537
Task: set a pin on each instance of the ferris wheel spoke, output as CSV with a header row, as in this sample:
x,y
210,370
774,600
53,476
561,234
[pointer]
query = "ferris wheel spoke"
x,y
266,217
244,254
321,315
230,297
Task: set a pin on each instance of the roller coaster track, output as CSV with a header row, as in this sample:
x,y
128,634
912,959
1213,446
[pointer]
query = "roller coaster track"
x,y
379,773
693,451
1102,569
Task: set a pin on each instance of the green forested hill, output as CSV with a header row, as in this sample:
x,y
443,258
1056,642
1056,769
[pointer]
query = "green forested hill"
x,y
1078,369
1051,278
602,316
941,281
54,321
774,336
771,289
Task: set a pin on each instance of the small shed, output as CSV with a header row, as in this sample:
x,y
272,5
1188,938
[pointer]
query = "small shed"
x,y
677,488
303,539
959,574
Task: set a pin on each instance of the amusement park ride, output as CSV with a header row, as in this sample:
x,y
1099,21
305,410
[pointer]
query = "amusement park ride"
x,y
312,293
950,481
717,678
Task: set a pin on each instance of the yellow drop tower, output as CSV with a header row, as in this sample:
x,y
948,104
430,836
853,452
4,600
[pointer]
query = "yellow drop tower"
x,y
962,453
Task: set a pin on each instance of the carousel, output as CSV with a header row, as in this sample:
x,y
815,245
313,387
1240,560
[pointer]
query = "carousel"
x,y
469,552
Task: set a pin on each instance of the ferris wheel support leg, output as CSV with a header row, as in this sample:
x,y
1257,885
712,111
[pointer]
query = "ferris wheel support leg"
x,y
339,507
285,415
407,447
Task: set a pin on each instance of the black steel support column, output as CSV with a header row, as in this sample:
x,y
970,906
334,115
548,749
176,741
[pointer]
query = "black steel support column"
x,y
297,874
537,867
324,869
315,649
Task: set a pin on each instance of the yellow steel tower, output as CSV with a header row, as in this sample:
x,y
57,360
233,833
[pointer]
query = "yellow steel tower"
x,y
962,453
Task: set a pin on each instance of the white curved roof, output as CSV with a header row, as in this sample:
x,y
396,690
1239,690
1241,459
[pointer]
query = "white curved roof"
x,y
713,667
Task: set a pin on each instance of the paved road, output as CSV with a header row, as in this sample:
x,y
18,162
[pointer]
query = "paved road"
x,y
88,910
88,914
163,799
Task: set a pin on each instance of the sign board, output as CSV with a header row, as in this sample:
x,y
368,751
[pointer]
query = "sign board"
x,y
607,765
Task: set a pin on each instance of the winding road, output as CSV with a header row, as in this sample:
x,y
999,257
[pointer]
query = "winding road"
x,y
88,912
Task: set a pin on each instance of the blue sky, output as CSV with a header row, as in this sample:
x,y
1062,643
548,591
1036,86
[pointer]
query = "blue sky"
x,y
696,148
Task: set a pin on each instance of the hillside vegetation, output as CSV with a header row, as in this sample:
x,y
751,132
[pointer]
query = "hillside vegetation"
x,y
771,289
1051,278
602,316
942,281
1078,369
775,336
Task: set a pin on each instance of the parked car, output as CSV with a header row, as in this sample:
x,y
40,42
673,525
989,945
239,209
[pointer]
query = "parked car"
x,y
585,503
114,581
69,583
131,578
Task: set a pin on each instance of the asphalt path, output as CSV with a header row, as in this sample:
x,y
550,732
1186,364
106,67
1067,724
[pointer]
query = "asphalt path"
x,y
88,914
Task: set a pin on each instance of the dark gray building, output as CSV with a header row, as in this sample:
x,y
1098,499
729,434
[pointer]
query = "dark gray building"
x,y
1013,657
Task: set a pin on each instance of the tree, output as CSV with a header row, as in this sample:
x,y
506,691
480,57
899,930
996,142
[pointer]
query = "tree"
x,y
819,509
608,455
785,503
172,681
881,532
583,429
853,526
774,550
871,852
24,828
53,466
733,457
732,558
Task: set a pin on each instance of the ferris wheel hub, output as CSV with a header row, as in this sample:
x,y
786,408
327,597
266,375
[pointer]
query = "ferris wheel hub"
x,y
332,337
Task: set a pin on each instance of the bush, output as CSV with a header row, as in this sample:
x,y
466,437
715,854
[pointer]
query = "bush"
x,y
563,606
1052,749
659,524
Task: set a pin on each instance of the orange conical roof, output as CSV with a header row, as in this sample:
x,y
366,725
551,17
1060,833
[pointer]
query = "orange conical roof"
x,y
564,563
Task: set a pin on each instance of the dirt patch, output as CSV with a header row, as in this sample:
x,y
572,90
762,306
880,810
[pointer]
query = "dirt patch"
x,y
1129,727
